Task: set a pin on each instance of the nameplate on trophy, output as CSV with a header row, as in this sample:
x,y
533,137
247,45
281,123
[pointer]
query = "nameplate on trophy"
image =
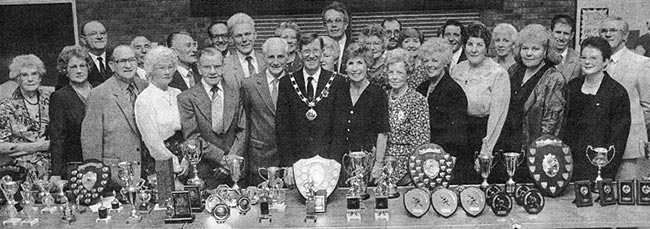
x,y
643,192
582,191
626,192
606,191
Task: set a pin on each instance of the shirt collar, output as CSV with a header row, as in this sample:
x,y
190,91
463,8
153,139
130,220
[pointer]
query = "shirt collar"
x,y
457,54
94,57
208,87
343,40
564,54
242,57
270,78
315,75
617,56
183,71
122,83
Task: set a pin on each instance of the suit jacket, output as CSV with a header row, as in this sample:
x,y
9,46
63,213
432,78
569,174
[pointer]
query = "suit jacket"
x,y
179,83
260,114
570,69
94,77
232,63
67,112
109,132
462,56
297,137
341,66
447,114
633,72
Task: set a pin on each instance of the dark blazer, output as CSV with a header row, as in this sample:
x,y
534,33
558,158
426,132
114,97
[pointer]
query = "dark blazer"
x,y
260,114
447,114
179,83
341,66
297,137
94,77
600,122
67,112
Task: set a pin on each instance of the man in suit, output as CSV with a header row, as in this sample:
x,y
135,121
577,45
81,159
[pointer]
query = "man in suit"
x,y
455,33
562,28
95,38
141,45
245,62
186,75
260,99
219,37
392,29
109,132
337,20
305,106
633,72
212,110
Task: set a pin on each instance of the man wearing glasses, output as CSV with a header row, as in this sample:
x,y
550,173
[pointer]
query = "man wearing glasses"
x,y
95,38
633,72
109,132
246,62
336,20
186,75
392,28
219,37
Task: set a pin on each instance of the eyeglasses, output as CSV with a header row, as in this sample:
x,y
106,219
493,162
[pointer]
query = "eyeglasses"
x,y
335,21
94,34
123,61
308,52
392,32
376,43
220,36
192,44
609,30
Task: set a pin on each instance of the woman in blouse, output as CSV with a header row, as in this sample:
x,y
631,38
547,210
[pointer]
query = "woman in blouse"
x,y
505,36
537,99
487,88
361,112
372,37
24,117
446,99
157,115
598,112
290,32
410,40
68,109
409,114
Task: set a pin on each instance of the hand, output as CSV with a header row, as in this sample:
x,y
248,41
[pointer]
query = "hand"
x,y
228,159
41,145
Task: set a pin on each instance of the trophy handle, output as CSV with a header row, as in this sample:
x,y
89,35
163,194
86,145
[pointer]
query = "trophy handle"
x,y
613,150
589,149
259,172
347,170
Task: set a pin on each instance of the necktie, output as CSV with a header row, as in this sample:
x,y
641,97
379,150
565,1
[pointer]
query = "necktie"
x,y
274,91
217,111
102,68
190,77
310,88
133,92
251,68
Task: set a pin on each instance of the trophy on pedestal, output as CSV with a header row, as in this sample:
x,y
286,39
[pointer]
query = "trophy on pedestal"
x,y
130,189
389,167
310,202
45,187
243,202
273,184
600,158
192,150
381,195
511,161
357,167
485,164
28,204
9,189
144,200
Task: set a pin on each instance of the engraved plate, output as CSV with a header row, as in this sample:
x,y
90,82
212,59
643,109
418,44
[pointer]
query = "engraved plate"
x,y
472,200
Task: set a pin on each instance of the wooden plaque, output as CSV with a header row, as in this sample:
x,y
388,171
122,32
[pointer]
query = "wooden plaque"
x,y
643,192
430,166
606,191
444,202
89,181
472,200
626,192
583,193
550,164
417,202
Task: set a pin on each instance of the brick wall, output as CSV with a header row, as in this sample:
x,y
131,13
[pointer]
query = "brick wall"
x,y
157,18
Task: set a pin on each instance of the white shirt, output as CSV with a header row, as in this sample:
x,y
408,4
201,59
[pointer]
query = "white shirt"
x,y
270,78
244,63
455,57
208,89
158,118
615,58
563,54
314,82
342,48
94,58
183,71
141,73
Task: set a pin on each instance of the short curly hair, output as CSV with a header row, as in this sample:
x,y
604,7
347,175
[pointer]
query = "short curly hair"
x,y
534,33
158,54
436,47
71,51
410,32
372,30
25,61
287,25
505,28
355,50
397,55
479,30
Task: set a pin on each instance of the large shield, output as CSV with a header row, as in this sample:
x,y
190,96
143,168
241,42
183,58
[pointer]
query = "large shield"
x,y
550,164
322,173
430,166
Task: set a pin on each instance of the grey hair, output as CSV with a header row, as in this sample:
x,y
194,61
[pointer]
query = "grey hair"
x,y
23,61
157,55
275,41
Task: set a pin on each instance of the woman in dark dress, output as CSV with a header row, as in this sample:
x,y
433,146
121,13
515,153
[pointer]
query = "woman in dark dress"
x,y
598,112
361,111
68,109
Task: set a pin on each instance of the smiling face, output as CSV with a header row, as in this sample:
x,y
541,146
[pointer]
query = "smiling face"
x,y
453,36
185,47
392,31
142,46
311,54
29,79
77,70
219,37
433,66
328,60
475,49
612,31
375,45
124,62
291,37
397,75
591,61
211,69
562,34
503,44
335,23
95,37
244,36
276,59
532,54
411,44
356,68
162,72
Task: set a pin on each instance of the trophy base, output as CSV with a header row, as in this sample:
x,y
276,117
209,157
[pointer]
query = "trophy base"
x,y
30,222
353,215
12,222
198,209
393,195
266,218
381,215
174,220
279,207
145,210
98,220
364,196
49,210
133,219
311,218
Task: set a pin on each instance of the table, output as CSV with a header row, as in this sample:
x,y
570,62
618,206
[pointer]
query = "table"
x,y
558,213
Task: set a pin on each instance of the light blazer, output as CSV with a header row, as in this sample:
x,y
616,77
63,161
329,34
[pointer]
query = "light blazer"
x,y
260,111
232,62
196,118
178,82
633,72
109,132
570,69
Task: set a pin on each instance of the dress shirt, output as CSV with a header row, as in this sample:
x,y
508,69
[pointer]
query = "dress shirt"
x,y
487,88
183,71
455,57
208,89
94,58
141,73
342,48
244,63
270,78
158,118
314,82
614,58
564,54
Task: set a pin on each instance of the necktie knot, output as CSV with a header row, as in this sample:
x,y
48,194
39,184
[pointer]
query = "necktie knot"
x,y
251,68
215,90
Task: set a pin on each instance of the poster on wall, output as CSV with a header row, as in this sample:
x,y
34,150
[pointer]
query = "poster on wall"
x,y
590,21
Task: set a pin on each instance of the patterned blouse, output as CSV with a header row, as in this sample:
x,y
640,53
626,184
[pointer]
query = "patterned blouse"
x,y
409,125
418,76
17,126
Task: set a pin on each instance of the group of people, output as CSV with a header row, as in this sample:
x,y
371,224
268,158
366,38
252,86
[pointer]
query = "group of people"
x,y
386,92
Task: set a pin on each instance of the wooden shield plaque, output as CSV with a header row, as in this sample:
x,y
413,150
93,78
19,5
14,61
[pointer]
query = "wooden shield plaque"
x,y
324,173
444,202
89,181
430,166
550,164
417,202
472,200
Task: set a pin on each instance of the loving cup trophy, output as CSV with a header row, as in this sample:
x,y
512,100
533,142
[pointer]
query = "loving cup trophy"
x,y
390,165
236,167
192,150
600,158
511,161
273,185
28,204
357,167
45,187
485,165
9,189
130,188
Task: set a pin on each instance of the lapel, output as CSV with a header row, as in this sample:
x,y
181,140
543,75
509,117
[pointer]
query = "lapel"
x,y
203,102
230,102
235,64
263,90
178,82
122,100
322,80
300,80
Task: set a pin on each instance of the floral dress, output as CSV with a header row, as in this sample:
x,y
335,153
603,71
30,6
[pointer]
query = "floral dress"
x,y
409,125
418,76
17,126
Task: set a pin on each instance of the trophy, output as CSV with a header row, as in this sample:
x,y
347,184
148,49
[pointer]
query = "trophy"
x,y
59,196
511,161
357,168
381,195
45,196
28,204
144,200
485,164
600,158
310,202
273,184
9,189
235,165
179,209
192,151
130,188
389,167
